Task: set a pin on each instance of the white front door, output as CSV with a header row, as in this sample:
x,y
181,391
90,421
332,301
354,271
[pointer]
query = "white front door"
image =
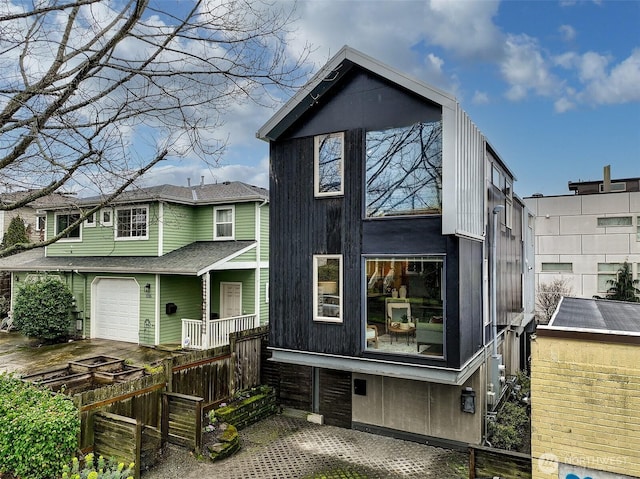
x,y
116,309
230,299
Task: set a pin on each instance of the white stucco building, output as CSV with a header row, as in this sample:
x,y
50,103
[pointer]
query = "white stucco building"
x,y
586,236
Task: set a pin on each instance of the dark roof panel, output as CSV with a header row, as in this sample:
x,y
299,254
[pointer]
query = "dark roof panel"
x,y
605,315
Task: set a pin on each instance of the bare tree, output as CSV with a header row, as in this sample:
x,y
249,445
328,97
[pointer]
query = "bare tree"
x,y
548,297
81,79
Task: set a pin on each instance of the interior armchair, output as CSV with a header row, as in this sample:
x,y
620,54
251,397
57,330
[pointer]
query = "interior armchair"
x,y
399,313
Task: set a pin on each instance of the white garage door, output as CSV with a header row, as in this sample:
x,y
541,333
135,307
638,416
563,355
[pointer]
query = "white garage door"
x,y
117,312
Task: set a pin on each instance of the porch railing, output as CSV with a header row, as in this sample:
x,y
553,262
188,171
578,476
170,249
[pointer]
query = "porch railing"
x,y
216,331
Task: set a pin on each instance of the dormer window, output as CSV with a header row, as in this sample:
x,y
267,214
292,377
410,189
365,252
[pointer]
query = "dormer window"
x,y
328,164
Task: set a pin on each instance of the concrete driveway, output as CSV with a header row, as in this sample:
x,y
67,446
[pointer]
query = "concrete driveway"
x,y
21,355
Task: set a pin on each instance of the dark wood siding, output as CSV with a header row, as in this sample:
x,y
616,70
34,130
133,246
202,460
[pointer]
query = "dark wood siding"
x,y
469,300
335,397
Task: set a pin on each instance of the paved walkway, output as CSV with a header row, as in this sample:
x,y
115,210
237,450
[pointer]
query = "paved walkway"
x,y
285,447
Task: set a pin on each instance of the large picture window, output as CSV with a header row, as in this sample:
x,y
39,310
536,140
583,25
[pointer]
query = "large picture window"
x,y
328,164
404,170
63,220
223,223
133,223
405,311
327,288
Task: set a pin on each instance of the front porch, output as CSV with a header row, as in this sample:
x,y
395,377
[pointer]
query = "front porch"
x,y
198,334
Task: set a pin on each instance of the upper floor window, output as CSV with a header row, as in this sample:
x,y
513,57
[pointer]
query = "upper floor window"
x,y
328,164
557,267
107,217
638,229
404,171
63,221
223,224
133,222
607,273
327,288
620,186
614,221
90,221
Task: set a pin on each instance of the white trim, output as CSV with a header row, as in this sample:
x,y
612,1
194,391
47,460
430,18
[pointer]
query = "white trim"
x,y
131,238
55,228
102,212
94,303
160,227
316,166
91,224
257,275
315,303
233,223
218,265
156,338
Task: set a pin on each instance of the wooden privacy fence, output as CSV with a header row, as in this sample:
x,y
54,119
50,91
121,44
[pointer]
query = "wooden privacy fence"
x,y
487,462
168,405
182,420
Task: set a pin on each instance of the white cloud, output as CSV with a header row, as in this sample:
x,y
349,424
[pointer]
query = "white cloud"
x,y
568,32
525,69
619,85
563,105
480,98
592,66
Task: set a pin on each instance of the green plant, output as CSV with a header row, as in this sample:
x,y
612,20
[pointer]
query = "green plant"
x,y
102,469
42,309
38,430
624,288
5,305
16,233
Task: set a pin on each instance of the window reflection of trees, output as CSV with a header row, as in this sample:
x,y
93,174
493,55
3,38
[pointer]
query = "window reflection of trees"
x,y
330,163
404,170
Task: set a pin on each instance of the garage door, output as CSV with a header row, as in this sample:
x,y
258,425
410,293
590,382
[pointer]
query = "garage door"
x,y
117,309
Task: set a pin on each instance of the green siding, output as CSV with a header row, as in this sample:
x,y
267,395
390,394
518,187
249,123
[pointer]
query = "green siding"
x,y
100,240
264,233
186,293
264,305
248,256
204,223
246,277
245,221
179,226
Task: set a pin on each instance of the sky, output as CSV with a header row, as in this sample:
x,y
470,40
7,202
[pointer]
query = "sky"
x,y
554,85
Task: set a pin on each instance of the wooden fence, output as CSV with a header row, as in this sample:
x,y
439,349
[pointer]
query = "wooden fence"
x,y
488,462
169,405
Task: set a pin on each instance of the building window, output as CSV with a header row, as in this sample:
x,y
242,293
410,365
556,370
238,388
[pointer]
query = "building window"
x,y
615,221
327,288
404,171
607,272
508,203
557,267
405,311
106,217
615,187
63,220
133,223
638,229
328,164
41,223
90,221
223,225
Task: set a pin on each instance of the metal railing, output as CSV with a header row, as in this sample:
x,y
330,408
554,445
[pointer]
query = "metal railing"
x,y
215,332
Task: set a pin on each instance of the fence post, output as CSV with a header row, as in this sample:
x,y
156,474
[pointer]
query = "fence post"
x,y
164,421
198,438
138,449
472,463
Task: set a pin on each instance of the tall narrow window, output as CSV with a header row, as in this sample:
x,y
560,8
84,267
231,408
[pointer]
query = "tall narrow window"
x,y
328,164
327,288
63,221
90,221
607,272
223,227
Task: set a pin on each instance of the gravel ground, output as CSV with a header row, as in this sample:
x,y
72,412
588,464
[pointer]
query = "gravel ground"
x,y
284,447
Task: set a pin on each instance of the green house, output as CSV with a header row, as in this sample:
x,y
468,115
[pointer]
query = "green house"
x,y
160,265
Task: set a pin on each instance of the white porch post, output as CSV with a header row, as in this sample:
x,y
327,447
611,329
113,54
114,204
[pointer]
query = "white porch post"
x,y
206,296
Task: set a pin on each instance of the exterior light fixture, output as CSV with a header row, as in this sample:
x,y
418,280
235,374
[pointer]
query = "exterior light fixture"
x,y
468,400
147,290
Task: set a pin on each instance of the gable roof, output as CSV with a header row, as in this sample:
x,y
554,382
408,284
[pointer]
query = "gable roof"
x,y
216,193
591,315
329,76
192,259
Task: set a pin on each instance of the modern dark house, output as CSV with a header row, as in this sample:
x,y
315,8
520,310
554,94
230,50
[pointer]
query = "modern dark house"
x,y
382,205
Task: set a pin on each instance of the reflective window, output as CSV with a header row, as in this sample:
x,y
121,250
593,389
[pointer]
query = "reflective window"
x,y
405,305
132,223
63,220
327,288
404,170
223,223
328,161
